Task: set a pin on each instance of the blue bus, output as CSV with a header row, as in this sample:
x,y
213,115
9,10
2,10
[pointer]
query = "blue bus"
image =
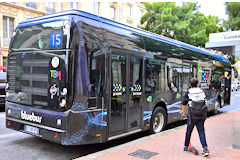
x,y
77,78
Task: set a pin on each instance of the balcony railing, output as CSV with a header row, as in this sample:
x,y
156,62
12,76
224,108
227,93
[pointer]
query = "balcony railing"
x,y
49,10
31,5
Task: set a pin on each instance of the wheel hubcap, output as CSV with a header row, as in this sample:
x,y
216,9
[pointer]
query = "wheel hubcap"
x,y
158,122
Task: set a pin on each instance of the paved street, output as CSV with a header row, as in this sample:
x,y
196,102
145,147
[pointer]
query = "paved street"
x,y
16,145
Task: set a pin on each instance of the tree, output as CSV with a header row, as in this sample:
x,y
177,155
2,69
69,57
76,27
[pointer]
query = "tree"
x,y
232,59
233,11
184,23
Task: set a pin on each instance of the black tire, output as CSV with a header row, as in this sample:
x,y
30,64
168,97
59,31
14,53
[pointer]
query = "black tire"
x,y
158,120
217,106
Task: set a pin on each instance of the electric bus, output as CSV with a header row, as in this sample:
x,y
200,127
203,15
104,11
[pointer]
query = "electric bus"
x,y
77,78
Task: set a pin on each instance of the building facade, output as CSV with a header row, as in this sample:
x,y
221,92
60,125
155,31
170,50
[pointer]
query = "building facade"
x,y
226,42
11,13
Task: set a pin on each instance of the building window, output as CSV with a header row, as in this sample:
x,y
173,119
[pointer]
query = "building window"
x,y
129,10
96,8
74,5
8,28
50,7
31,5
112,13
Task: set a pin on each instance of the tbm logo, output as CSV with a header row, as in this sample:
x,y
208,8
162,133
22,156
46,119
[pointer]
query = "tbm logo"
x,y
30,117
55,74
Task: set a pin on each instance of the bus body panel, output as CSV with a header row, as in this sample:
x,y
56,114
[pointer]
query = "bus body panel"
x,y
85,126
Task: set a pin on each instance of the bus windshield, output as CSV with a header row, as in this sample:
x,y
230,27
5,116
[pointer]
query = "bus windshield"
x,y
37,64
51,35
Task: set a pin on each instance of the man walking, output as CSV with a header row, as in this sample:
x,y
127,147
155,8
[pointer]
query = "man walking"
x,y
197,114
227,88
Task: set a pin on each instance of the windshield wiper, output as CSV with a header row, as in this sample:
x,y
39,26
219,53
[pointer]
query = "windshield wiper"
x,y
26,49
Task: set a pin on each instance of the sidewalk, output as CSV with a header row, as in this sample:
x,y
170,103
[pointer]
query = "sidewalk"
x,y
222,132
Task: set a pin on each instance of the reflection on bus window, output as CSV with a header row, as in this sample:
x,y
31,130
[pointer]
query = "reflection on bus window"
x,y
41,36
218,79
136,71
187,74
174,72
119,70
150,82
96,62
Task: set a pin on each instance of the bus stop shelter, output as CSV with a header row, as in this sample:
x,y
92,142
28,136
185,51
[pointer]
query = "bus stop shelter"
x,y
226,42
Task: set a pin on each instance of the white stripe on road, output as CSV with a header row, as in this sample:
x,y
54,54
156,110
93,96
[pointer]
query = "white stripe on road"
x,y
8,135
2,115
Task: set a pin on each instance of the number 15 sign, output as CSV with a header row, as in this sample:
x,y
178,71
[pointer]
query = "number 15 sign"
x,y
55,40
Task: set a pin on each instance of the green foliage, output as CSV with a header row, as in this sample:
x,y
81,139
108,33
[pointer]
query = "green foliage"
x,y
233,11
232,59
184,23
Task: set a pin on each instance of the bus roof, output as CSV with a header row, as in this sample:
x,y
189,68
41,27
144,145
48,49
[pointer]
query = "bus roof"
x,y
61,15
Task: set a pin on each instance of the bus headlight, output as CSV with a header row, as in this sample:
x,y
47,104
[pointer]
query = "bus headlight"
x,y
63,103
9,111
59,122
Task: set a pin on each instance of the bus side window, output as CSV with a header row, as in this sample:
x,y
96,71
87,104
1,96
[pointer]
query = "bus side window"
x,y
174,73
97,74
206,79
187,75
217,79
154,80
149,81
96,70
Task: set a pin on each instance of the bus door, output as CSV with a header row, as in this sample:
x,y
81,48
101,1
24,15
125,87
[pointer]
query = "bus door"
x,y
126,94
119,94
134,110
217,83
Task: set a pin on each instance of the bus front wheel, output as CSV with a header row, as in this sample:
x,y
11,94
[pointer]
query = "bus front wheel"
x,y
158,120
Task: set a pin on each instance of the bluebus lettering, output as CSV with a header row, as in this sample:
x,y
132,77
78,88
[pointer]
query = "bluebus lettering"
x,y
30,117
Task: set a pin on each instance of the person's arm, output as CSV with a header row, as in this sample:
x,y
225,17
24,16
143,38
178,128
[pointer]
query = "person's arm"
x,y
149,83
183,110
185,101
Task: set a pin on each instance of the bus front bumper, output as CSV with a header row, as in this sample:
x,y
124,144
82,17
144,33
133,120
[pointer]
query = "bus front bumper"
x,y
36,122
44,132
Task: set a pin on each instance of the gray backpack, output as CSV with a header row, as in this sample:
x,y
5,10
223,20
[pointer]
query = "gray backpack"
x,y
197,103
